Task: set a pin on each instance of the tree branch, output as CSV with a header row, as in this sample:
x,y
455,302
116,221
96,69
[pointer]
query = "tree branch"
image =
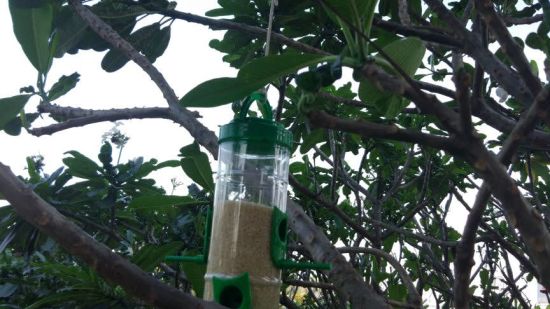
x,y
538,244
414,298
360,229
428,104
462,83
99,257
342,275
505,76
84,117
536,138
510,21
310,284
218,24
509,45
429,36
376,130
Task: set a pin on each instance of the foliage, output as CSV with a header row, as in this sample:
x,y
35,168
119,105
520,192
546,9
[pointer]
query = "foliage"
x,y
389,170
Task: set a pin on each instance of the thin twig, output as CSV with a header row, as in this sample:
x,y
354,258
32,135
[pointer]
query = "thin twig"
x,y
413,296
256,31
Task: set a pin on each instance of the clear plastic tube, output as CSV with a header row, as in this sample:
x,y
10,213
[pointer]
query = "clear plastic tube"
x,y
248,186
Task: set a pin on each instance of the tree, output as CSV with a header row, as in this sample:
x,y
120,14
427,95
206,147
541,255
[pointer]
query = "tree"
x,y
382,161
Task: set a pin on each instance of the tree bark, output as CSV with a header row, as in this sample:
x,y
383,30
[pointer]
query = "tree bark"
x,y
342,275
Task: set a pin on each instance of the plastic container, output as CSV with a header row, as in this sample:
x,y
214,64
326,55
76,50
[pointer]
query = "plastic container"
x,y
251,181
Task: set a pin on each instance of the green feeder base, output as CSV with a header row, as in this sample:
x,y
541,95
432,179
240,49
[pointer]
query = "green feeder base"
x,y
233,292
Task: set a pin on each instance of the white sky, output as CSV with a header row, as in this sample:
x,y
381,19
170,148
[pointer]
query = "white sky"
x,y
187,62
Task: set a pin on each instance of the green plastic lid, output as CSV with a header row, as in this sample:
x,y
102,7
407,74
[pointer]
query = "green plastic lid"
x,y
260,135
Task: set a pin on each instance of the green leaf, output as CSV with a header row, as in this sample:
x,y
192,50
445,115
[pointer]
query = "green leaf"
x,y
366,8
216,92
393,106
10,107
150,40
195,164
407,54
158,202
397,292
155,46
84,295
533,40
149,256
34,173
105,154
151,166
534,67
195,274
196,169
251,77
32,28
70,29
7,289
370,94
218,12
312,139
81,166
63,85
484,276
267,69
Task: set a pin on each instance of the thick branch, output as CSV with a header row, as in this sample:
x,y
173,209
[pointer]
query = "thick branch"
x,y
418,32
536,237
94,116
99,257
509,45
536,138
427,103
462,83
509,20
376,130
342,275
505,76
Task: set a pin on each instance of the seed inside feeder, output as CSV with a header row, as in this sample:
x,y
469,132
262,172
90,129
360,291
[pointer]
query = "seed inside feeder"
x,y
241,237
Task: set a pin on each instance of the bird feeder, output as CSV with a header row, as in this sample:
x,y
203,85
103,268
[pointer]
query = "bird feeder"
x,y
251,186
248,239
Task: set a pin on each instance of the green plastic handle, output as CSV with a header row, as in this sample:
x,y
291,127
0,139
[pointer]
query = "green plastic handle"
x,y
262,102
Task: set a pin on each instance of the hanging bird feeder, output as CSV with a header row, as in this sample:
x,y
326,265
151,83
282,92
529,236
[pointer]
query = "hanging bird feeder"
x,y
246,247
249,226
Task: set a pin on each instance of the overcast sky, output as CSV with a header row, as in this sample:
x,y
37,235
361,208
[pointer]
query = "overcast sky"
x,y
187,62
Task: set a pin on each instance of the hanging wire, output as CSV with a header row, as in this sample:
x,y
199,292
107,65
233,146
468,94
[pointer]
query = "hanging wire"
x,y
268,36
270,26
